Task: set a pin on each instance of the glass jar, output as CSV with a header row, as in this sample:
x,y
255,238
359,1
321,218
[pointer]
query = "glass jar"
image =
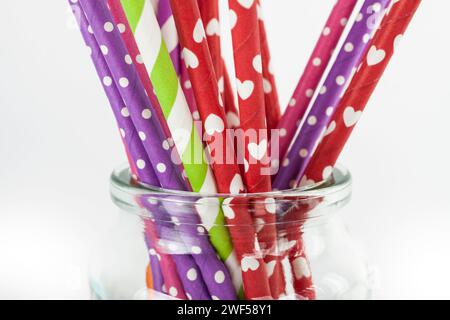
x,y
180,245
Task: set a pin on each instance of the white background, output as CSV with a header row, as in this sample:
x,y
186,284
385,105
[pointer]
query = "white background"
x,y
58,145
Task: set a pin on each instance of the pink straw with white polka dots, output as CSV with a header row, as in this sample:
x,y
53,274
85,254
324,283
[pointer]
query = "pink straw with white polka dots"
x,y
315,68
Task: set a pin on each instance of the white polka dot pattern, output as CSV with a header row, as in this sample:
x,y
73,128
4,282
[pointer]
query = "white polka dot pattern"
x,y
317,64
319,115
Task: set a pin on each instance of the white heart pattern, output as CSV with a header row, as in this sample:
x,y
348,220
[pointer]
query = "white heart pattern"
x,y
258,151
237,185
233,19
214,124
397,41
267,86
249,263
247,4
301,268
271,205
327,172
221,84
306,182
213,27
285,245
246,166
330,128
375,56
199,32
233,119
190,59
259,224
259,12
227,210
257,63
245,89
204,208
351,117
270,267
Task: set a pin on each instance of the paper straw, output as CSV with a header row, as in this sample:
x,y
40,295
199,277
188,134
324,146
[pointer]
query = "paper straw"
x,y
313,72
134,96
182,127
294,164
169,264
350,55
210,13
129,135
248,62
189,274
149,278
156,270
232,113
350,109
138,106
169,33
201,72
134,147
272,103
180,122
170,36
247,56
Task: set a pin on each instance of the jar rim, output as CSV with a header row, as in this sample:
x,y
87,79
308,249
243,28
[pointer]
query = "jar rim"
x,y
338,181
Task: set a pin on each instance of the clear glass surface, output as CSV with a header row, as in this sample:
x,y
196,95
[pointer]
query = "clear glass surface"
x,y
154,225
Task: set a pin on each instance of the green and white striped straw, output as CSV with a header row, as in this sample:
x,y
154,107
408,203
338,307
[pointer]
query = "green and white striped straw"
x,y
147,32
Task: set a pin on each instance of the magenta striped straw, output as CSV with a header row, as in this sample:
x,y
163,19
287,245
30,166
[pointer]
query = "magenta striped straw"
x,y
313,73
294,164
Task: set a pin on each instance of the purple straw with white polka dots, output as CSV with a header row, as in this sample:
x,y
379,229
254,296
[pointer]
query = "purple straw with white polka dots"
x,y
188,271
294,165
137,104
146,175
151,132
136,150
128,132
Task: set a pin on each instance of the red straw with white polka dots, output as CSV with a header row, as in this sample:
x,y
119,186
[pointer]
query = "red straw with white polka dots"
x,y
361,88
229,180
315,68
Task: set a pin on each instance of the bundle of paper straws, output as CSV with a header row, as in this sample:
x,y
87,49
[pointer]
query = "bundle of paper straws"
x,y
174,95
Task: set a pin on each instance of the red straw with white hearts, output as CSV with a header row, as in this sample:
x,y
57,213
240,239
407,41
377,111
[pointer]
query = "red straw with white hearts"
x,y
249,78
361,88
210,105
210,13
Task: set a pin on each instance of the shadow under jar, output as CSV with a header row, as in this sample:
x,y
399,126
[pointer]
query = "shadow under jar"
x,y
169,244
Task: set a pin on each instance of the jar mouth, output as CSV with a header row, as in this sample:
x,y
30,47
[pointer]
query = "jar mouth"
x,y
340,180
319,200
